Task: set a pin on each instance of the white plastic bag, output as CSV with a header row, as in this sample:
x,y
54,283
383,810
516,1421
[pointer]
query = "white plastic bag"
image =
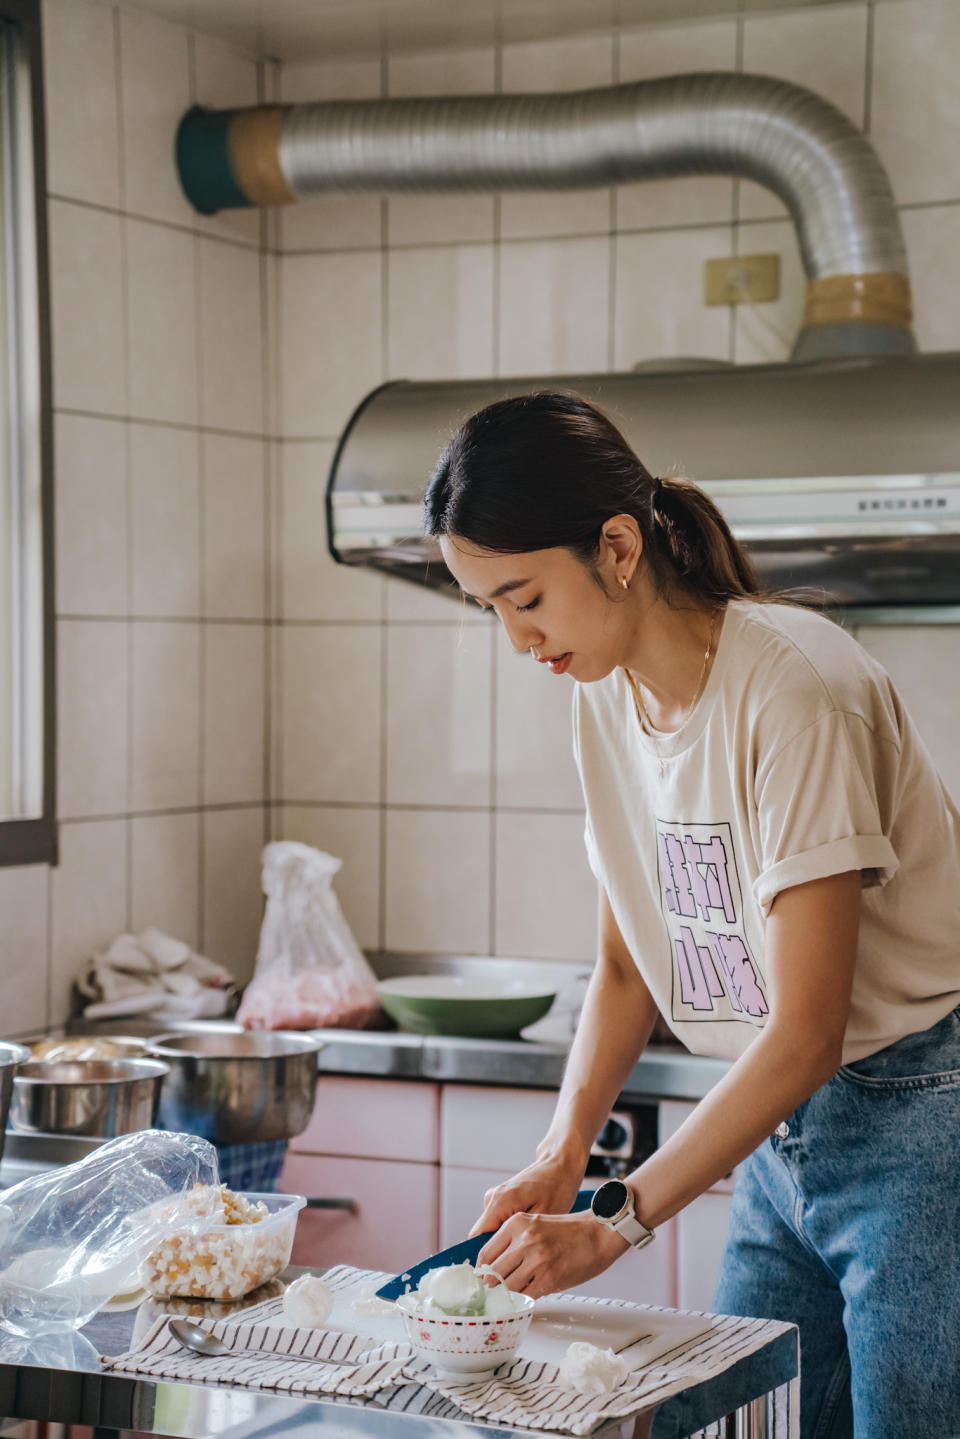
x,y
310,971
72,1238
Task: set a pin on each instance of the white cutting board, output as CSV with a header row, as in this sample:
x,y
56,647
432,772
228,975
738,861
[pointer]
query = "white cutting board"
x,y
638,1335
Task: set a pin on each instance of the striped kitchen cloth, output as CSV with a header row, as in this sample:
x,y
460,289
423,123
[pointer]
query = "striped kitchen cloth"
x,y
521,1394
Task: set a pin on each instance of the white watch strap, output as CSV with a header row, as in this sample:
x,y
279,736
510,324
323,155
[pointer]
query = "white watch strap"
x,y
633,1231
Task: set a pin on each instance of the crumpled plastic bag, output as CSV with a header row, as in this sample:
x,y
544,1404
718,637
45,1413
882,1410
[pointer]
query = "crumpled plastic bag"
x,y
72,1238
310,971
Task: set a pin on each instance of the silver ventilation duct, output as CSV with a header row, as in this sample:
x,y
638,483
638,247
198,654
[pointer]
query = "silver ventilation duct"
x,y
781,135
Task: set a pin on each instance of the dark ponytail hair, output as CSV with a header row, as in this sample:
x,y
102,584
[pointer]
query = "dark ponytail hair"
x,y
547,470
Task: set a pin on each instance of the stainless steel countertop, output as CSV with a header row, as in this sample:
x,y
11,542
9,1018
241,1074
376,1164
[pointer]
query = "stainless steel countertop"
x,y
662,1072
62,1381
26,1155
535,1061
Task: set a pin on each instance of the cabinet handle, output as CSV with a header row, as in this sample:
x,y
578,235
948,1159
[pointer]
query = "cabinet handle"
x,y
350,1204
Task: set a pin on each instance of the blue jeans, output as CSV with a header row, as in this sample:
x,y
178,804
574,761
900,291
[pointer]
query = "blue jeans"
x,y
849,1227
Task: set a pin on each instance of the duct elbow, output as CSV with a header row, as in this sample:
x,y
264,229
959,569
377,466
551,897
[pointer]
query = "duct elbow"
x,y
846,315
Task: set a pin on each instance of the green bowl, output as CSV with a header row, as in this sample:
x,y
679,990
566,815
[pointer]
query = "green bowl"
x,y
471,1007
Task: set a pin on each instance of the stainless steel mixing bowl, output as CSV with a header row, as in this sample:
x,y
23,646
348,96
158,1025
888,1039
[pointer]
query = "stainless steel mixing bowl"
x,y
96,1097
234,1086
10,1056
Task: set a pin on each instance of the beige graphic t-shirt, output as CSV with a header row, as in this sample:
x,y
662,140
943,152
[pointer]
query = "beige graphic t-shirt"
x,y
798,762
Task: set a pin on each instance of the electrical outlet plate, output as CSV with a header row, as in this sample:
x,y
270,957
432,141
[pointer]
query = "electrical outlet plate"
x,y
741,279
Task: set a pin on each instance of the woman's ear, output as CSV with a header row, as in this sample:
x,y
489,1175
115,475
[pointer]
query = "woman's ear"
x,y
621,545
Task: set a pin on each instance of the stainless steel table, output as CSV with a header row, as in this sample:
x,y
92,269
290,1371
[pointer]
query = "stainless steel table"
x,y
50,1384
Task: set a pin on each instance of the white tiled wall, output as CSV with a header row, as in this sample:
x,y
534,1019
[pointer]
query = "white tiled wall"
x,y
219,677
161,519
436,764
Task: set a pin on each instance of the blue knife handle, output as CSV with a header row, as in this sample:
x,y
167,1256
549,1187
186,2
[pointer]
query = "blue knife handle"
x,y
467,1249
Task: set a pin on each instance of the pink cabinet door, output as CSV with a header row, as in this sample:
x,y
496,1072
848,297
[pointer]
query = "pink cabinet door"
x,y
646,1276
391,1118
702,1235
394,1223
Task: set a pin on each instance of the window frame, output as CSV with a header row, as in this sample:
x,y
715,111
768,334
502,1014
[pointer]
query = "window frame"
x,y
33,840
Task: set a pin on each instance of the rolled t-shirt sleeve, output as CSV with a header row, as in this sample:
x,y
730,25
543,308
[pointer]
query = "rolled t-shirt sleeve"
x,y
820,810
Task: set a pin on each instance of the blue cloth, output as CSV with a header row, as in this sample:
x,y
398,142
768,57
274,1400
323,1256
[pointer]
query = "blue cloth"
x,y
252,1167
848,1226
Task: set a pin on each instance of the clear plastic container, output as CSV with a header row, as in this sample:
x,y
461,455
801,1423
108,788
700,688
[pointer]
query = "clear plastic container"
x,y
225,1261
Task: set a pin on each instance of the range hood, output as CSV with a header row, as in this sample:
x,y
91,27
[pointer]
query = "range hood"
x,y
840,476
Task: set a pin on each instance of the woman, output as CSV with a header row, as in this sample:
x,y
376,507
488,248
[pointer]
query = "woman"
x,y
779,876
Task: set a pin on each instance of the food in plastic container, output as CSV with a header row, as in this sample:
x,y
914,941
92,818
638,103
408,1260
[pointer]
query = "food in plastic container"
x,y
225,1260
73,1237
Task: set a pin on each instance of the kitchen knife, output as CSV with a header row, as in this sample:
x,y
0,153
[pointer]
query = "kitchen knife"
x,y
467,1249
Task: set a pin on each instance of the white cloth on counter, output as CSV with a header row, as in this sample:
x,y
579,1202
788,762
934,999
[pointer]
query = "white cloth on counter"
x,y
152,973
522,1393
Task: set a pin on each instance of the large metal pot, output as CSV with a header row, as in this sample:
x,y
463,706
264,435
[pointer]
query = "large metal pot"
x,y
233,1086
10,1056
96,1097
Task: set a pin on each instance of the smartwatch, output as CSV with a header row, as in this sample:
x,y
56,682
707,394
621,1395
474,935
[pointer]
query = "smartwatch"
x,y
613,1204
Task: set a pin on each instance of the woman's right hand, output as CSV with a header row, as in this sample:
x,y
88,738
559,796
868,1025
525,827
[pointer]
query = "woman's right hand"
x,y
547,1186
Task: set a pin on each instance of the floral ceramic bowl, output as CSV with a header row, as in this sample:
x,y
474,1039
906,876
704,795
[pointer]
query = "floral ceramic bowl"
x,y
470,1344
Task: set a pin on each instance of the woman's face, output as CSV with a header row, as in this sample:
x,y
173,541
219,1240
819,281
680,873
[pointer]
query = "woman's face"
x,y
548,602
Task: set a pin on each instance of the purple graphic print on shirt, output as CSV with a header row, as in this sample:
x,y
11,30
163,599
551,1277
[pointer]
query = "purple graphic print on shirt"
x,y
714,974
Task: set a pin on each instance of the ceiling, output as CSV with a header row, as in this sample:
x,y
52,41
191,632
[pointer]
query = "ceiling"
x,y
292,30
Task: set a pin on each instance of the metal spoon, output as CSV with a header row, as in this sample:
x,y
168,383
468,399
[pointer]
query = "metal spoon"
x,y
192,1336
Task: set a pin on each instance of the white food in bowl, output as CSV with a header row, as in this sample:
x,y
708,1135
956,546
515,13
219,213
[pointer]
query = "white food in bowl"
x,y
452,1289
459,1290
501,1301
471,1342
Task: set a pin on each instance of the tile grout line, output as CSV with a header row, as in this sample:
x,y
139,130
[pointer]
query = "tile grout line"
x,y
496,287
384,682
494,760
152,422
868,67
614,216
735,223
223,807
274,262
160,221
201,544
128,466
271,495
496,345
383,677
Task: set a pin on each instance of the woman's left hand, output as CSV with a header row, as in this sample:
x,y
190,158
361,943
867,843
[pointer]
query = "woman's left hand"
x,y
540,1254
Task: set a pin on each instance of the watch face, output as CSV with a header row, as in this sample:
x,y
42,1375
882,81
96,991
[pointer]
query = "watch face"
x,y
609,1199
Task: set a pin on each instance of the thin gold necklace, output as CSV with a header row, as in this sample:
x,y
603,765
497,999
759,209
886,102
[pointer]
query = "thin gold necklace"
x,y
641,709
